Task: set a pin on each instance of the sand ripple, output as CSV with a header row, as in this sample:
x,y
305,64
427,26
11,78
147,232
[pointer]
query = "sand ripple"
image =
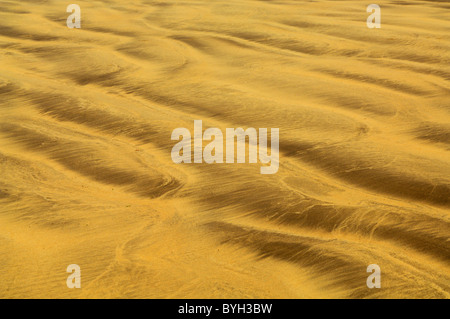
x,y
87,177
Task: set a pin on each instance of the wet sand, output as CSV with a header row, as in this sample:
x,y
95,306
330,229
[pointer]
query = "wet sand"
x,y
86,117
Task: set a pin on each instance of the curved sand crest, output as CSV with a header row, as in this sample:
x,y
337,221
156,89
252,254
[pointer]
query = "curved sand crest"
x,y
87,178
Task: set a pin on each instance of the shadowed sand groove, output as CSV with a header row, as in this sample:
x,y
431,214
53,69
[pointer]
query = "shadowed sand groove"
x,y
87,178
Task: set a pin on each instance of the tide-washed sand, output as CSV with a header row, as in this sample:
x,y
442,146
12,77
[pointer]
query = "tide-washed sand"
x,y
86,175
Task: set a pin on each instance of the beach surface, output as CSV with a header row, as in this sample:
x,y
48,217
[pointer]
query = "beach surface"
x,y
86,175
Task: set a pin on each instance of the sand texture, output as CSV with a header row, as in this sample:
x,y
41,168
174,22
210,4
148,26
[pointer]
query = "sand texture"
x,y
86,175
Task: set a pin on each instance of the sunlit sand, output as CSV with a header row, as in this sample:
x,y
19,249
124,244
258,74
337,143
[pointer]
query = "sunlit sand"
x,y
86,175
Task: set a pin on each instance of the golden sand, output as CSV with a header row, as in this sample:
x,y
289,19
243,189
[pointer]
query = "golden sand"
x,y
86,175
